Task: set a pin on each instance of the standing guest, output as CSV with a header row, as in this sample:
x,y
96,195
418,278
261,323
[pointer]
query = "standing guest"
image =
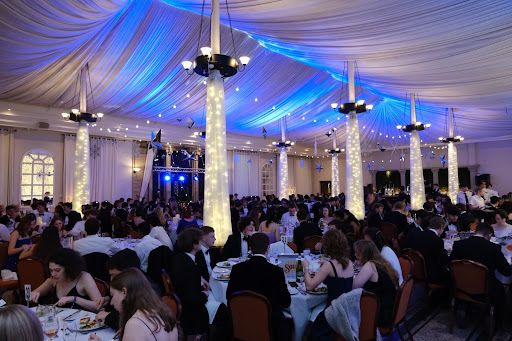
x,y
336,273
20,244
376,276
18,322
42,214
477,201
105,216
122,211
207,257
325,218
143,316
69,286
264,278
146,245
386,252
237,243
48,245
188,220
289,219
93,242
304,230
236,205
501,228
157,230
191,289
78,229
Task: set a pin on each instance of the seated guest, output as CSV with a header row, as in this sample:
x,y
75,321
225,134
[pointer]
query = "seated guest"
x,y
236,245
501,228
420,223
10,218
376,276
68,286
158,232
78,230
146,245
429,207
266,279
5,234
41,213
289,219
431,246
336,273
398,216
305,229
70,217
376,215
479,249
452,218
325,217
190,288
187,220
143,315
270,226
18,322
58,224
468,222
386,252
477,201
92,242
48,245
20,244
463,196
207,257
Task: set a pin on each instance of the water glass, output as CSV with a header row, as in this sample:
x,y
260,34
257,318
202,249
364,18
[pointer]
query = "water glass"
x,y
51,327
28,293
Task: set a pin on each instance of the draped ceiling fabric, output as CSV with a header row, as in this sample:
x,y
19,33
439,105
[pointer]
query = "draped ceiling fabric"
x,y
452,53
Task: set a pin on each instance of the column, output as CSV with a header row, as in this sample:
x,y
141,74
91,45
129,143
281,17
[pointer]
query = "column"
x,y
354,173
282,165
168,184
81,181
417,186
216,194
453,164
402,177
335,172
435,175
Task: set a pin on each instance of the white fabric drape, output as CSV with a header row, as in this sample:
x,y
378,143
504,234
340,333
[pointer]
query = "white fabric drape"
x,y
417,181
104,155
148,172
69,167
246,173
7,168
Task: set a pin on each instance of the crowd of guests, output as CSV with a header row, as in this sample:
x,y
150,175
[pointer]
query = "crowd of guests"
x,y
61,239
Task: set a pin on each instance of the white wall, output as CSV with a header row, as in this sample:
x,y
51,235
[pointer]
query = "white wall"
x,y
495,158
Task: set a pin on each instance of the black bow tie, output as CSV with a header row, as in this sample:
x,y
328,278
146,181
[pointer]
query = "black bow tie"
x,y
246,238
41,214
207,252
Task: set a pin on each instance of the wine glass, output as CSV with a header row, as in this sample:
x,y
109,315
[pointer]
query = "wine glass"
x,y
51,327
28,293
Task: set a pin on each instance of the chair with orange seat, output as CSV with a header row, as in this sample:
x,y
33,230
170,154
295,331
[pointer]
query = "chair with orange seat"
x,y
251,316
102,287
173,302
292,246
369,305
167,284
400,309
406,264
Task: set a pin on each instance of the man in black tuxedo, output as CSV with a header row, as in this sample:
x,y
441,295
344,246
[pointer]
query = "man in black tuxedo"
x,y
431,246
237,243
305,229
376,215
398,217
420,223
264,278
10,218
479,248
207,257
71,217
191,289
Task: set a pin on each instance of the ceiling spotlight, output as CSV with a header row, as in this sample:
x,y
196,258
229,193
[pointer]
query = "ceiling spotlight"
x,y
187,64
244,60
65,114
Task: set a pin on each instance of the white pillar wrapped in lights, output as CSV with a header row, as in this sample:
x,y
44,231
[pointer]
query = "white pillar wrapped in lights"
x,y
81,181
282,166
354,196
216,191
417,186
335,172
453,164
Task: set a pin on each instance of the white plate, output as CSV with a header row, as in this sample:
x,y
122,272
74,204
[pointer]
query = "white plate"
x,y
234,260
75,327
293,291
221,270
226,264
221,279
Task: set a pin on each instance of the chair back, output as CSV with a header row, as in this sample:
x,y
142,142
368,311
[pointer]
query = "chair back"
x,y
469,279
159,259
102,287
406,265
3,253
418,270
389,231
173,302
96,265
369,306
35,239
167,283
310,242
30,271
292,246
251,316
402,301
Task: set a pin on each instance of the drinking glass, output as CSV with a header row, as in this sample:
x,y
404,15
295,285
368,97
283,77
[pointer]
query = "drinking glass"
x,y
28,293
51,327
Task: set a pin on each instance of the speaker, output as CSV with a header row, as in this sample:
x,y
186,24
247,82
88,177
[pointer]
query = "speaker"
x,y
481,178
43,125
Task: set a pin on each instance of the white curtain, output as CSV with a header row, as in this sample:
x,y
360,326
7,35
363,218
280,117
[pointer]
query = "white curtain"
x,y
148,173
7,190
246,173
68,167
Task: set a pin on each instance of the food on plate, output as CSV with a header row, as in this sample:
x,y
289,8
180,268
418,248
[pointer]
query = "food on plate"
x,y
319,290
224,276
87,323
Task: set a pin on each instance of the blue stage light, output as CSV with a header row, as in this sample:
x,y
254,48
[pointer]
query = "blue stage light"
x,y
196,178
181,178
167,177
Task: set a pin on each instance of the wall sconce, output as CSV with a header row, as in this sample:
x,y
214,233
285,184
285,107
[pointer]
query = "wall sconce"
x,y
136,170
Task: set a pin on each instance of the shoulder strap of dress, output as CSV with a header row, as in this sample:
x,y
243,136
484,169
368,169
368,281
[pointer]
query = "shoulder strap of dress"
x,y
334,269
141,320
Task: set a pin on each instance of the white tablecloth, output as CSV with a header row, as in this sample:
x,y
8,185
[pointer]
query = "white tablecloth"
x,y
301,307
126,243
106,334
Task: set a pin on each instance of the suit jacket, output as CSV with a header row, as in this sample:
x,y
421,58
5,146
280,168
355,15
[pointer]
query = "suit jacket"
x,y
233,246
436,257
266,279
304,230
485,252
201,261
399,219
73,218
122,214
410,234
374,220
186,278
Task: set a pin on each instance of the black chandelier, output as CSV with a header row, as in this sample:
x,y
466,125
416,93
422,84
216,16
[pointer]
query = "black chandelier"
x,y
334,151
283,144
357,107
418,126
206,61
451,139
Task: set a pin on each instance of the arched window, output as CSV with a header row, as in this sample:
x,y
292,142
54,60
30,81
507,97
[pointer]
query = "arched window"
x,y
37,169
267,180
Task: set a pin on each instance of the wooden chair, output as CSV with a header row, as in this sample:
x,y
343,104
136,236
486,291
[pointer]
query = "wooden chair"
x,y
310,242
406,264
3,253
35,239
293,246
400,310
470,282
96,265
102,287
30,271
369,305
173,302
251,316
168,286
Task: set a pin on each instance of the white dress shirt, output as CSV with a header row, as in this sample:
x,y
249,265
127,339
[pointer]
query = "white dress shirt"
x,y
477,201
158,232
388,254
501,232
145,246
5,234
207,258
192,256
77,229
46,217
95,243
461,199
289,220
245,246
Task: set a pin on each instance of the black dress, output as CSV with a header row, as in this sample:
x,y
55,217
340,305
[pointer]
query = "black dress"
x,y
52,298
386,292
336,286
